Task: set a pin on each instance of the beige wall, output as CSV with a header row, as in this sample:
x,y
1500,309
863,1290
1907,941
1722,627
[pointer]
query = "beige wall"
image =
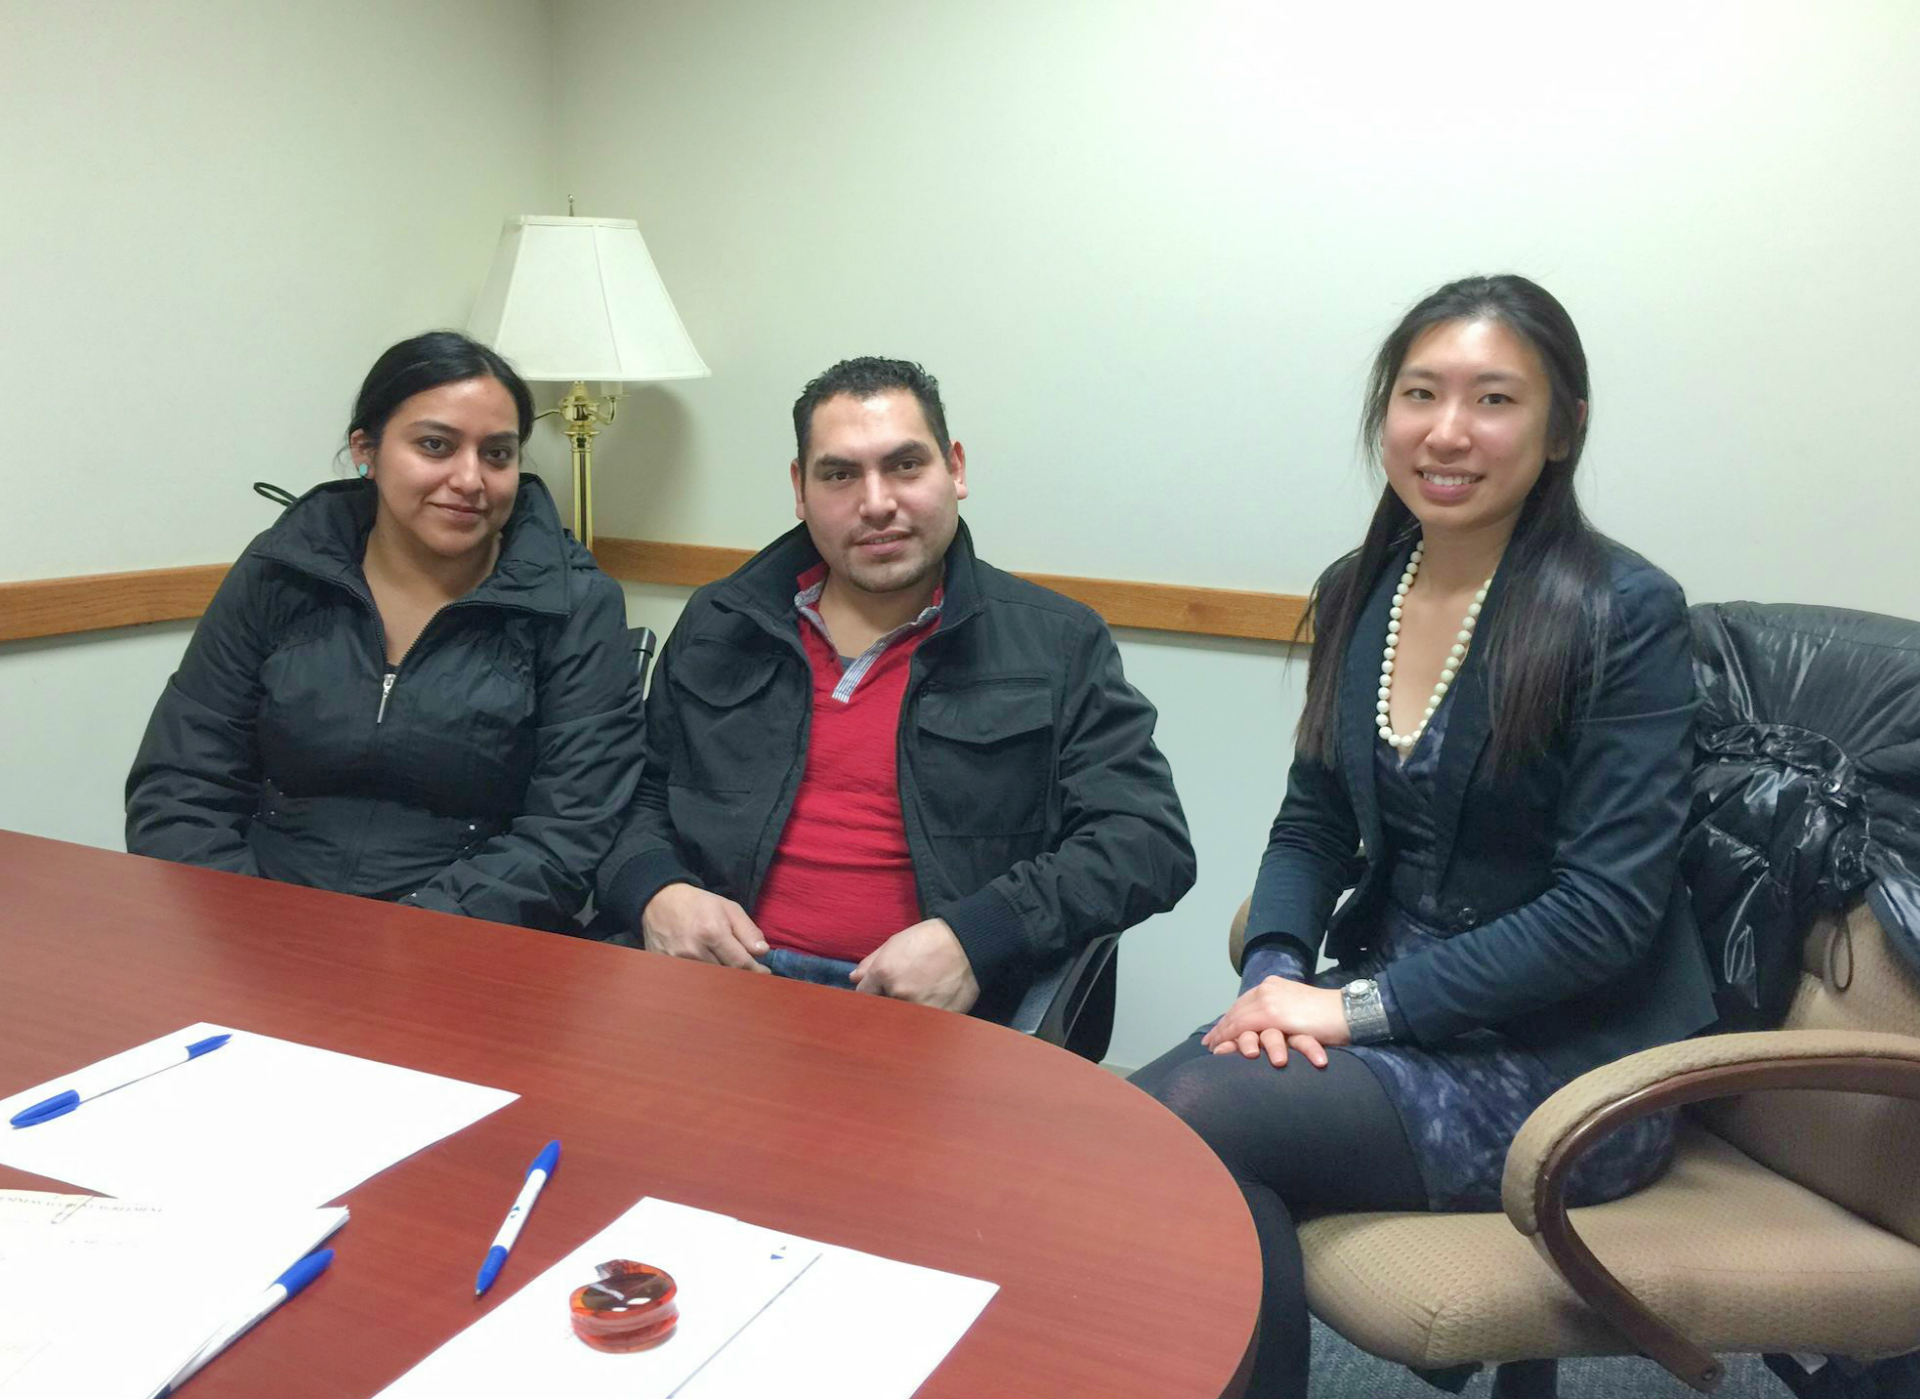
x,y
1148,247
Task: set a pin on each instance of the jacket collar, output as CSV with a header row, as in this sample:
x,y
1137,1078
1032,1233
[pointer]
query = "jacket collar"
x,y
763,586
324,534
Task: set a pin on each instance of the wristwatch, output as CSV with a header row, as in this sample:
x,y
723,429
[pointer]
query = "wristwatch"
x,y
1367,1021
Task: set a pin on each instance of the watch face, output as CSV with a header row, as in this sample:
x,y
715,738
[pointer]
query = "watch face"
x,y
1360,987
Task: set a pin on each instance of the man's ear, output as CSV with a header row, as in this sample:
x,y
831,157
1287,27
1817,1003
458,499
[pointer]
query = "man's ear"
x,y
957,468
799,489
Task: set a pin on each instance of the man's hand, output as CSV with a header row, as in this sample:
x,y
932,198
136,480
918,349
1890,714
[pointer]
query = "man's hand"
x,y
924,963
683,921
1277,1014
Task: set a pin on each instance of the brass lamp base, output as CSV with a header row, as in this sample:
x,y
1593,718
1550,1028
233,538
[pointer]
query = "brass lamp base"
x,y
581,418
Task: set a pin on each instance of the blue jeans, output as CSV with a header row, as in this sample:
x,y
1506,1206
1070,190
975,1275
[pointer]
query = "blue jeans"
x,y
805,966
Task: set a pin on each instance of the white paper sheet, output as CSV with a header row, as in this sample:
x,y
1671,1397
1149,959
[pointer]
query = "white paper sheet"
x,y
107,1299
259,1119
838,1323
855,1327
726,1273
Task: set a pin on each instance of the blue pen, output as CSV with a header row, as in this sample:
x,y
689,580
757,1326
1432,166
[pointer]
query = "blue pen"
x,y
288,1284
60,1104
537,1174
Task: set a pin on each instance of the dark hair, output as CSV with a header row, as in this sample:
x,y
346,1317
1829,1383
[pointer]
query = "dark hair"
x,y
1554,600
863,378
426,362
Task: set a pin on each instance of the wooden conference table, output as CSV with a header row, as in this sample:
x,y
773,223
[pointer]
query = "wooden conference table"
x,y
1126,1262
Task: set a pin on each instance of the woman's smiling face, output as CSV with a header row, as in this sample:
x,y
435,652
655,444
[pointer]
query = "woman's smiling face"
x,y
1465,436
447,465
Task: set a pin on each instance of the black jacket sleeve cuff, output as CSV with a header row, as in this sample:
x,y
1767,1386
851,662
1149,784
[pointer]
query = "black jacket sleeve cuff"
x,y
990,934
633,888
434,899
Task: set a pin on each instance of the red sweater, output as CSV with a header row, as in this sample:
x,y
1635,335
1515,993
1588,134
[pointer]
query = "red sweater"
x,y
841,881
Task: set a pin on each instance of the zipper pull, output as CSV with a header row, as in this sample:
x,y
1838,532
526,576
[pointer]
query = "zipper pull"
x,y
386,688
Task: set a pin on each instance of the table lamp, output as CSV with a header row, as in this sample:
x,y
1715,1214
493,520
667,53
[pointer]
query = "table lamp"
x,y
572,300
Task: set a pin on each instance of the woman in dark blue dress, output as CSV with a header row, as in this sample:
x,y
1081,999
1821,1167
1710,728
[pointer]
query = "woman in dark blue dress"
x,y
1493,755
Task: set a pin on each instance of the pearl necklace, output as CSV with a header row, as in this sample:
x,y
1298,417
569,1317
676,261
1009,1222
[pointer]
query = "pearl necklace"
x,y
1403,743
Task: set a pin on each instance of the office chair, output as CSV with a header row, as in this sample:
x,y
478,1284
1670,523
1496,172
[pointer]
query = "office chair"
x,y
1072,1005
1786,1223
645,644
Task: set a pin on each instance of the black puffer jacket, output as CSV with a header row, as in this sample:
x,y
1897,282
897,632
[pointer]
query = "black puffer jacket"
x,y
1806,788
485,774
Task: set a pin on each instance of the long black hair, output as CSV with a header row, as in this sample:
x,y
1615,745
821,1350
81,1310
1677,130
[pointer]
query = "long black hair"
x,y
425,362
1553,612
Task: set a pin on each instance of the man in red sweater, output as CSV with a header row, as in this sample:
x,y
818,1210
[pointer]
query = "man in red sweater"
x,y
874,758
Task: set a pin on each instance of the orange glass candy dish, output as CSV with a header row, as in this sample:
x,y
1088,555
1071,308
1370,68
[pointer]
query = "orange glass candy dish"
x,y
631,1307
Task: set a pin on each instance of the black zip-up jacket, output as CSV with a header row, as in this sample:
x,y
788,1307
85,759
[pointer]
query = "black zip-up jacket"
x,y
1038,812
485,774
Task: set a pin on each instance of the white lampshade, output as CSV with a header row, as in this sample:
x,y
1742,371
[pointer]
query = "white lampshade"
x,y
579,299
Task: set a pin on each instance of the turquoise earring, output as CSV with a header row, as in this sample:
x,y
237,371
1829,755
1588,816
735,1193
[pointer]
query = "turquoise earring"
x,y
360,469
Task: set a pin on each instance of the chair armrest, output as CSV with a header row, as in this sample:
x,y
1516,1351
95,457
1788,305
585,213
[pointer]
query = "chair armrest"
x,y
1692,1071
1237,935
1562,1129
1072,1005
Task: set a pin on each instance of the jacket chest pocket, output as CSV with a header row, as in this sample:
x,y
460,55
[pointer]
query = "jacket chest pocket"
x,y
982,757
727,739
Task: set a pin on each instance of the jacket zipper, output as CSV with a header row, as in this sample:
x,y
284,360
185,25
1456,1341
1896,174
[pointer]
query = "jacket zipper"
x,y
388,678
910,706
365,599
790,789
386,681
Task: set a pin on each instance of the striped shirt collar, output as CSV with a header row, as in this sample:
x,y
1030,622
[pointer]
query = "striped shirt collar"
x,y
807,603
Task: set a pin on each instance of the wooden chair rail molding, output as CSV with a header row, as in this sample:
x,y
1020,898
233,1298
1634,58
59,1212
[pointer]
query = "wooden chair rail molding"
x,y
95,602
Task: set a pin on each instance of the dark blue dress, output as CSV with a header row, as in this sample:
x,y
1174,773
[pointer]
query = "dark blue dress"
x,y
1461,1102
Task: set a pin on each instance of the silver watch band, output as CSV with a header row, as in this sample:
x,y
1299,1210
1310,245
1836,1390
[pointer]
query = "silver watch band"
x,y
1367,1021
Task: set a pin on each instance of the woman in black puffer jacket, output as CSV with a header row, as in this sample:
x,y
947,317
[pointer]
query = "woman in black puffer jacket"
x,y
416,685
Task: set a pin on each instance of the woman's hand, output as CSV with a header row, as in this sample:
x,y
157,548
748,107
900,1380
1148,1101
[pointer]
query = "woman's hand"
x,y
1277,1015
